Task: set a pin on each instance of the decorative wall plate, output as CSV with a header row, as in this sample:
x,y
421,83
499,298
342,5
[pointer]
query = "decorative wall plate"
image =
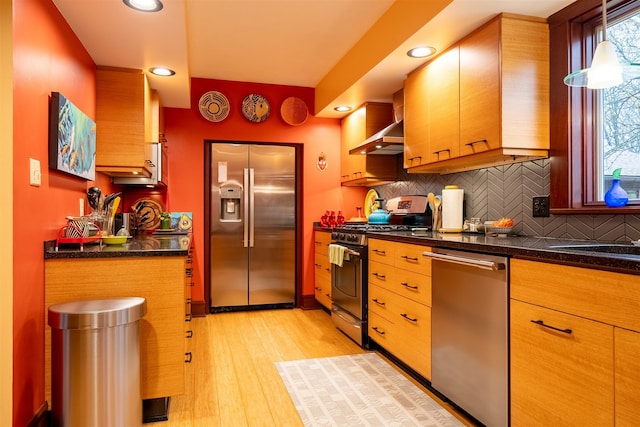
x,y
214,106
294,111
147,213
255,108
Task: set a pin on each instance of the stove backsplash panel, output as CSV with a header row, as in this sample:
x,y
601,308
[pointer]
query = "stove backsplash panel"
x,y
508,190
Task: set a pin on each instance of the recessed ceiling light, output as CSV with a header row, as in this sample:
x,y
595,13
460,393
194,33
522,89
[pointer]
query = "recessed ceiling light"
x,y
342,108
161,71
421,51
144,5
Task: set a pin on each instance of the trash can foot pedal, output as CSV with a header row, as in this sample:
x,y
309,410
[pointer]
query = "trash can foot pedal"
x,y
154,410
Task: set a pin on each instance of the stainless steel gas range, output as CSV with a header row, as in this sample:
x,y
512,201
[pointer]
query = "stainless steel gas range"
x,y
349,281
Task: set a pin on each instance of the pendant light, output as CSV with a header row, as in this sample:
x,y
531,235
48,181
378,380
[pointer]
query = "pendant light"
x,y
606,70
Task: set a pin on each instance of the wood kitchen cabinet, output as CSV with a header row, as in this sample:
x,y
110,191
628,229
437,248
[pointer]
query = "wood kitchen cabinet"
x,y
360,169
400,302
127,122
484,101
574,346
158,279
322,239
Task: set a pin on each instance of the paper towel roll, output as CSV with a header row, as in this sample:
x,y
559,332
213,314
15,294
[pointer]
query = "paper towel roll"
x,y
452,202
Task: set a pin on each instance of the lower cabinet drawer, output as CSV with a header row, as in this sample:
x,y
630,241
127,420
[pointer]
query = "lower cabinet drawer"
x,y
414,348
561,368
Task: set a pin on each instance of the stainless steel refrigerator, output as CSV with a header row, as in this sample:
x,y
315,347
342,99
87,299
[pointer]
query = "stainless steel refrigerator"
x,y
252,225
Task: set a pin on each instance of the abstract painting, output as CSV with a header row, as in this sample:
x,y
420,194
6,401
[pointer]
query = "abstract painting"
x,y
72,139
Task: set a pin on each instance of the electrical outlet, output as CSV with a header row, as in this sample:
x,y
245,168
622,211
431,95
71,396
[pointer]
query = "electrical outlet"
x,y
34,172
541,206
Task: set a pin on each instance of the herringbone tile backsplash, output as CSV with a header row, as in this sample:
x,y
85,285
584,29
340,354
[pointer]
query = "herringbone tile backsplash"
x,y
508,191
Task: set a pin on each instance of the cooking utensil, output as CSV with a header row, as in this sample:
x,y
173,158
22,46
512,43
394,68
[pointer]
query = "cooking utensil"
x,y
93,197
108,199
437,210
112,214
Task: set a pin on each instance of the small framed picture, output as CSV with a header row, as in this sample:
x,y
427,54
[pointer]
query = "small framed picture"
x,y
72,139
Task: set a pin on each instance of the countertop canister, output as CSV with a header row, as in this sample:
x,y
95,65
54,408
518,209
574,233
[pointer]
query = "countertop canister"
x,y
452,203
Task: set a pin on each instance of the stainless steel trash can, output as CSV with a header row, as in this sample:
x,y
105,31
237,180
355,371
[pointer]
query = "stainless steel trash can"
x,y
95,362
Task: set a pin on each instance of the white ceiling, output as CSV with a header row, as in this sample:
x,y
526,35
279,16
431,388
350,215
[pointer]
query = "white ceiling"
x,y
286,42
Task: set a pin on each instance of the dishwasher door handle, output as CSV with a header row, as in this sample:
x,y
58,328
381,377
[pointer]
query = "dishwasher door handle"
x,y
470,262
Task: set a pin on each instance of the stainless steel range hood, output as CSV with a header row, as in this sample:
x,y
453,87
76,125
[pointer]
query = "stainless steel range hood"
x,y
389,141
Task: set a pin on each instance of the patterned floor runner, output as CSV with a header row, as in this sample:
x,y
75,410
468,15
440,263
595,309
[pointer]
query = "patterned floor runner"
x,y
359,390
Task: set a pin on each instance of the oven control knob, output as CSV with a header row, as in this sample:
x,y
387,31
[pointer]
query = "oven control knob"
x,y
341,236
352,238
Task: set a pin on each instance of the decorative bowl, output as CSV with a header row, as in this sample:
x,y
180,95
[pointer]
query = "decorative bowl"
x,y
501,230
114,240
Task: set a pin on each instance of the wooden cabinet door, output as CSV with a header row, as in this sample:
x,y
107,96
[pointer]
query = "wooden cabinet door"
x,y
480,90
627,377
443,103
416,127
560,378
123,121
322,275
355,128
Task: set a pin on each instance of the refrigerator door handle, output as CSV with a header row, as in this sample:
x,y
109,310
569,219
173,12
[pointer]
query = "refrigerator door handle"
x,y
251,207
245,235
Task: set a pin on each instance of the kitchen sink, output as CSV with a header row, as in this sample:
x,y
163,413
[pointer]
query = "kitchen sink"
x,y
601,247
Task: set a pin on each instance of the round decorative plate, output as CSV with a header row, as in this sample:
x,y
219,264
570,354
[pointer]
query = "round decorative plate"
x,y
255,108
147,213
294,111
370,203
214,106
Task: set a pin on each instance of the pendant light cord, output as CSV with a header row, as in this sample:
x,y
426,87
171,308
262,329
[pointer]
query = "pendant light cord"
x,y
604,20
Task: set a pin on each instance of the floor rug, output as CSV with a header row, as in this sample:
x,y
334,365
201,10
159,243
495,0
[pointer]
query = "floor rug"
x,y
358,390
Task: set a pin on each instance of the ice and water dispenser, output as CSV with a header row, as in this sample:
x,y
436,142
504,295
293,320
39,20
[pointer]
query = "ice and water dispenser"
x,y
230,196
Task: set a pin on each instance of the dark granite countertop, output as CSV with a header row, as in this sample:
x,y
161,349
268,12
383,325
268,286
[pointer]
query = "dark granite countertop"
x,y
140,245
533,248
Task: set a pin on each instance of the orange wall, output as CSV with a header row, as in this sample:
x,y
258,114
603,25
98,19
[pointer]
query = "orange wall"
x,y
47,57
186,131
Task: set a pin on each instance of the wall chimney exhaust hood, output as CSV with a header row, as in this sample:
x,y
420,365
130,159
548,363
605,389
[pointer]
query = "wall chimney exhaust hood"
x,y
388,141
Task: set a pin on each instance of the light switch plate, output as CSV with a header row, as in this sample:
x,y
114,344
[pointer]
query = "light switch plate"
x,y
34,172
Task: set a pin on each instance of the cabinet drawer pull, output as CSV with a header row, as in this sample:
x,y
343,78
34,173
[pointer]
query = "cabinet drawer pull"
x,y
378,330
188,317
379,276
318,289
411,319
541,323
189,333
188,357
318,265
382,303
328,295
379,251
328,269
408,258
470,144
437,153
406,285
411,159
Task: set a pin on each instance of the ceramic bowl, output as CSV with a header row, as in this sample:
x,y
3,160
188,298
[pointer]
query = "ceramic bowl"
x,y
114,240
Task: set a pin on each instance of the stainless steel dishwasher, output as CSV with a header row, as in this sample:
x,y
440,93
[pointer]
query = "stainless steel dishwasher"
x,y
470,332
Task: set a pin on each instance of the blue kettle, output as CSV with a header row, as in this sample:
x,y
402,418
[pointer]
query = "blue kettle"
x,y
379,216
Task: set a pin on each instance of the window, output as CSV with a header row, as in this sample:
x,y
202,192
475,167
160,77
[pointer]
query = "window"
x,y
618,114
593,132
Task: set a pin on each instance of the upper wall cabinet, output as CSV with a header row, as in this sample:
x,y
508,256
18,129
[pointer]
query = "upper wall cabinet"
x,y
127,114
483,102
359,169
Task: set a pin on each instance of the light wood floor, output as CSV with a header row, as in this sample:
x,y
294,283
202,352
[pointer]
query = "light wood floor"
x,y
232,380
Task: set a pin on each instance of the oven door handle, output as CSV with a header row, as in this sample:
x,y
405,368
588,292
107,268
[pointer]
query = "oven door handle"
x,y
347,250
470,262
